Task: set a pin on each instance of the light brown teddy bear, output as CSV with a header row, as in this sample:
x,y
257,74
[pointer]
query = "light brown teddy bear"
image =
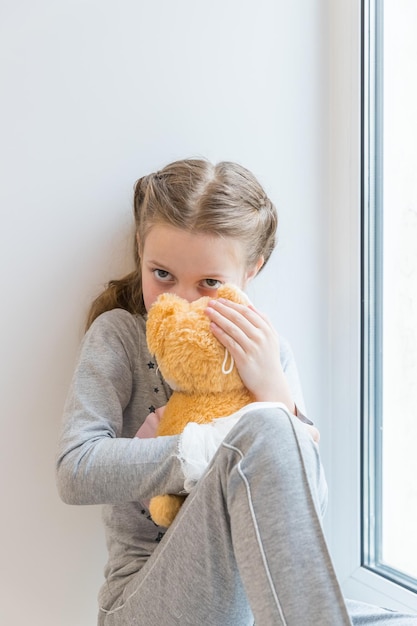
x,y
204,379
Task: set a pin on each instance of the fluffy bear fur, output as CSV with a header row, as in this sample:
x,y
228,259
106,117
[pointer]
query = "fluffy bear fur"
x,y
196,366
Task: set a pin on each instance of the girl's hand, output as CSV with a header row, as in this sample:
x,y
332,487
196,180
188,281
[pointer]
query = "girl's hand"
x,y
253,343
150,425
315,434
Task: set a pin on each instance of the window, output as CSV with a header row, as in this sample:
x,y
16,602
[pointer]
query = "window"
x,y
389,290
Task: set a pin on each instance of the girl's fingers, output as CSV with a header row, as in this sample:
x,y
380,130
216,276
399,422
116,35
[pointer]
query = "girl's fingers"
x,y
236,318
314,432
247,335
227,307
232,333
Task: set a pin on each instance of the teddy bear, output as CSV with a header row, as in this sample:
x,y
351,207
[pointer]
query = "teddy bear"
x,y
200,371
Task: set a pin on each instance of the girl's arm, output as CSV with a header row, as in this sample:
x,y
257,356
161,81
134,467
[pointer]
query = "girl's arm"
x,y
98,459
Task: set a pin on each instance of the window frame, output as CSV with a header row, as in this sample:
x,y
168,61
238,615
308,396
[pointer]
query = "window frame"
x,y
346,194
371,279
372,323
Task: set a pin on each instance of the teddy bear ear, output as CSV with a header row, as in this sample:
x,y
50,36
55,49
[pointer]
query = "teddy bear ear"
x,y
233,293
166,305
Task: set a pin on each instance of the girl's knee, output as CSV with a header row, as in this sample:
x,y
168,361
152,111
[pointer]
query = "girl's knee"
x,y
264,427
273,441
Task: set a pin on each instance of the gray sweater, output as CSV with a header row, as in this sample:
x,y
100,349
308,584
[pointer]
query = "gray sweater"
x,y
116,384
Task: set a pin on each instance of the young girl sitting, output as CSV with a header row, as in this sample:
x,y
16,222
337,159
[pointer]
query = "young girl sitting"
x,y
248,543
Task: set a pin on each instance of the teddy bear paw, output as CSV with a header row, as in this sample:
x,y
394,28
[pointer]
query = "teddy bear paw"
x,y
163,509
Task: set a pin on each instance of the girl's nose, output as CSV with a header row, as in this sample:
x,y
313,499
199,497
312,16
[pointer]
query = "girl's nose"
x,y
187,293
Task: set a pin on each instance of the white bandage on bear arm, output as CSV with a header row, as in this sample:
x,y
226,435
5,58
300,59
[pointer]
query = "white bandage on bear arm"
x,y
198,443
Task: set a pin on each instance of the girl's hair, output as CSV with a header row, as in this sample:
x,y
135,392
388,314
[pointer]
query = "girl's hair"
x,y
224,200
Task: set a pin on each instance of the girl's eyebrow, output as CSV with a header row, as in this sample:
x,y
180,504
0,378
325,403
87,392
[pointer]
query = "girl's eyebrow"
x,y
158,263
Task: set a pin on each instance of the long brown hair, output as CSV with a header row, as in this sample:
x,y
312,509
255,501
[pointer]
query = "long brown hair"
x,y
224,200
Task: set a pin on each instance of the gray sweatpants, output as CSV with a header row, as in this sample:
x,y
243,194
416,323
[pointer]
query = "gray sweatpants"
x,y
248,546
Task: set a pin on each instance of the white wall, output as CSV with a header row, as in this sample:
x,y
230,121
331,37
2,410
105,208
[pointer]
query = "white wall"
x,y
94,94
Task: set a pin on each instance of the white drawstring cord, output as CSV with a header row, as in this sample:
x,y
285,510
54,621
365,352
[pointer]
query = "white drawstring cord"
x,y
232,362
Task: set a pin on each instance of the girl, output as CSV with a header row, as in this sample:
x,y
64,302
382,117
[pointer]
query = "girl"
x,y
248,543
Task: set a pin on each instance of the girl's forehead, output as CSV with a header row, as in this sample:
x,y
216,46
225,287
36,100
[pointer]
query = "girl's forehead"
x,y
169,245
164,238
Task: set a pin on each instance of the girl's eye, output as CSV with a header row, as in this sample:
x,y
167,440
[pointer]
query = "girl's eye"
x,y
212,283
162,275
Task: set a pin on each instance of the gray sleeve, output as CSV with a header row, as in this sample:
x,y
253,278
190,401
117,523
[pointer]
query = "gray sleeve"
x,y
291,372
95,463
